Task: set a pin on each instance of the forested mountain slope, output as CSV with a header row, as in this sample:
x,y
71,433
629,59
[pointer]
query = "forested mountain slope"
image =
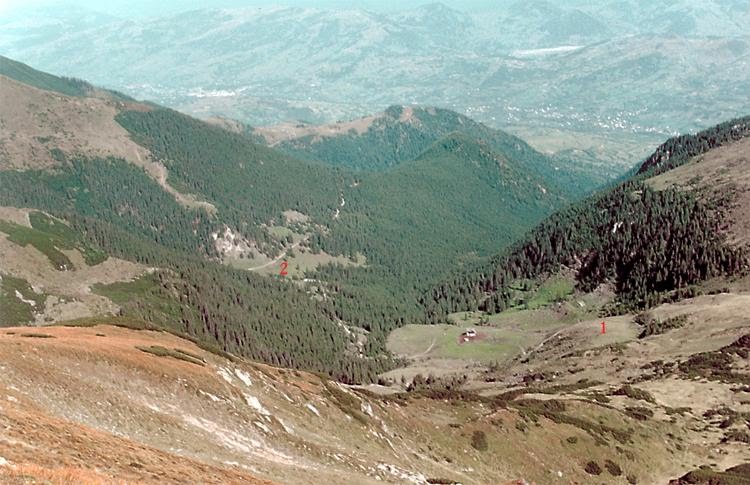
x,y
425,219
402,133
155,187
370,143
649,241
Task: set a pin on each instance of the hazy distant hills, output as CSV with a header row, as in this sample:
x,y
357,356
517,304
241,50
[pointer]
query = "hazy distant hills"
x,y
621,73
539,24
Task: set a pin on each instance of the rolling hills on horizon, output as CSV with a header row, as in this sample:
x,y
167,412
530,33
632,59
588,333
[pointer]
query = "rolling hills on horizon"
x,y
611,79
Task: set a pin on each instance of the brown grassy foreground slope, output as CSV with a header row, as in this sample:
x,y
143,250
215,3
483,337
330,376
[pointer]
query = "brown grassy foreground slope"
x,y
103,403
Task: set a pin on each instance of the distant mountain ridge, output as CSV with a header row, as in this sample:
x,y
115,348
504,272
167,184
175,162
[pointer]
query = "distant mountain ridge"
x,y
683,63
400,133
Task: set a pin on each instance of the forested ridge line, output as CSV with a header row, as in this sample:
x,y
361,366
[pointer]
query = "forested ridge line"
x,y
647,243
251,185
402,134
680,149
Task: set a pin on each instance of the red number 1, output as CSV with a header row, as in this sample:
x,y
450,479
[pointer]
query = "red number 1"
x,y
604,327
284,265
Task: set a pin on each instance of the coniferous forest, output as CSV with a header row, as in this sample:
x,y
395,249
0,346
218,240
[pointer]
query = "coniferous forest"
x,y
111,204
427,219
408,239
649,244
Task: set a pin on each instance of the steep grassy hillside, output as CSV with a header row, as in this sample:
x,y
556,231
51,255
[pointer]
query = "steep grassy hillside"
x,y
64,85
41,128
27,75
648,244
182,412
48,270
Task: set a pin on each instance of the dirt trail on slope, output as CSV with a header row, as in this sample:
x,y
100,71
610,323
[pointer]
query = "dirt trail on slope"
x,y
281,256
424,354
158,172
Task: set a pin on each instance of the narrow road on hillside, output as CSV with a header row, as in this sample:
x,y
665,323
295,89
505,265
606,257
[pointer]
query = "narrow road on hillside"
x,y
159,173
281,256
424,354
528,354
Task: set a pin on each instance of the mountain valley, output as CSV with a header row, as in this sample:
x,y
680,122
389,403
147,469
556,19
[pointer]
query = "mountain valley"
x,y
150,198
410,296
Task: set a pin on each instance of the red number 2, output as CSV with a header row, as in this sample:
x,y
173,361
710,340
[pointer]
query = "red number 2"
x,y
284,265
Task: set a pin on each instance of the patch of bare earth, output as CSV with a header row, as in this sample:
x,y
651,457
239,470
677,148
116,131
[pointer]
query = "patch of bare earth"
x,y
16,215
407,115
295,216
290,131
70,294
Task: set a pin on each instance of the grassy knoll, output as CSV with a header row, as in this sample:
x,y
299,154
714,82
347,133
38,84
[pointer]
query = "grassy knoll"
x,y
124,291
443,341
553,290
144,296
176,353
